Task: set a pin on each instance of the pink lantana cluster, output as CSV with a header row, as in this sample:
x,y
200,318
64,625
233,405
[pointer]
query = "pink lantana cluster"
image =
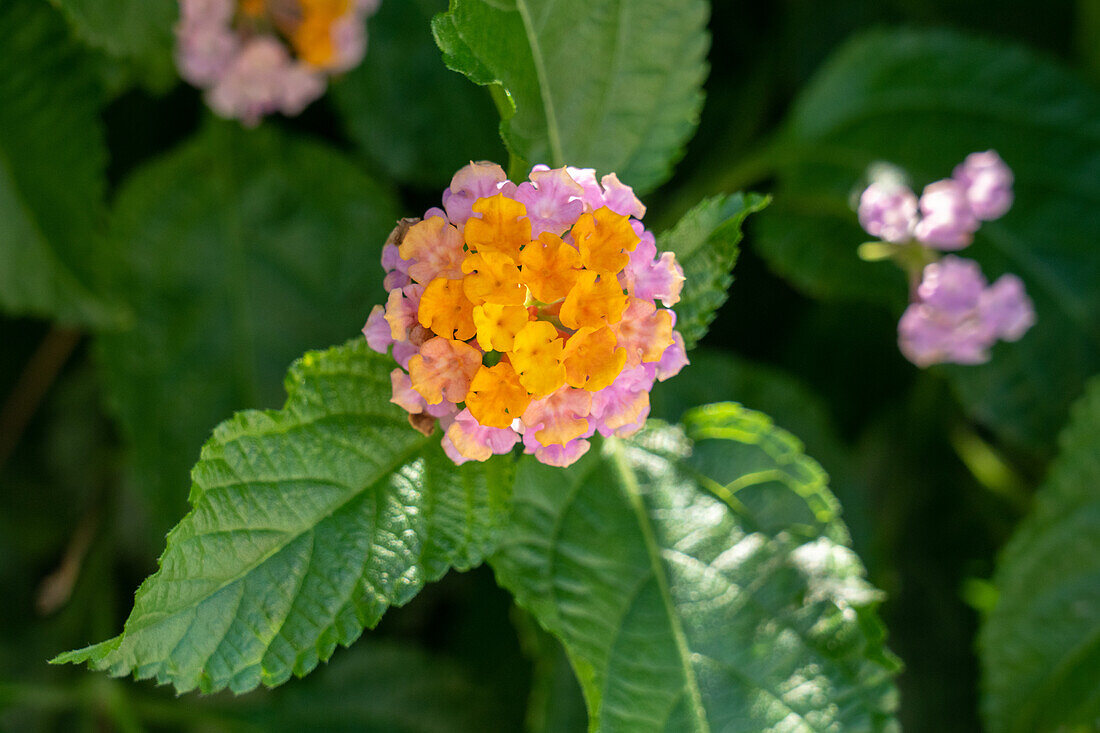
x,y
954,316
255,57
528,313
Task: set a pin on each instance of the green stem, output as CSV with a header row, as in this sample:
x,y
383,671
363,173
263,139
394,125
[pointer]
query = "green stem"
x,y
989,468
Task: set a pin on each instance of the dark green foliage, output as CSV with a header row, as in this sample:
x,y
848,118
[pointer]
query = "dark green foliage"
x,y
52,162
1041,643
239,250
923,101
137,34
419,121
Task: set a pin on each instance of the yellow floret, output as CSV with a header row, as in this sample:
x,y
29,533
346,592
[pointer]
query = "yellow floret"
x,y
537,357
503,226
496,397
592,359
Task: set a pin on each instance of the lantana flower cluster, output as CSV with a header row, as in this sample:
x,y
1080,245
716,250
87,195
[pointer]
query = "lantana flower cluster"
x,y
255,57
955,315
536,312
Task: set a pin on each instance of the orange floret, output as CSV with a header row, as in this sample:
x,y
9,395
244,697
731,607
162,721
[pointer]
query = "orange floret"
x,y
445,309
312,36
603,239
537,355
435,249
492,277
592,359
644,332
496,397
497,325
252,8
444,368
592,303
503,226
550,267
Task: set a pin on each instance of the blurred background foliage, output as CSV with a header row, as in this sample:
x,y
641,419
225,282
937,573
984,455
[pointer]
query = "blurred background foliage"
x,y
208,257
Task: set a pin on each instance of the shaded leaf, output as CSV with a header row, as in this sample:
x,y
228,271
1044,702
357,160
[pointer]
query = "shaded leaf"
x,y
405,110
705,243
238,252
52,162
556,703
1040,645
923,101
703,586
137,32
307,523
606,84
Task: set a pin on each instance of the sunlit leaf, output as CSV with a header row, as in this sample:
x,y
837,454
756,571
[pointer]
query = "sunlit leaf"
x,y
705,243
307,523
701,582
606,84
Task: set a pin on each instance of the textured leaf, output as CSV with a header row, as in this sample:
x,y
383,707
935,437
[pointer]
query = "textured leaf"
x,y
307,523
608,84
418,120
701,587
923,100
138,32
1040,645
239,251
718,376
52,162
705,242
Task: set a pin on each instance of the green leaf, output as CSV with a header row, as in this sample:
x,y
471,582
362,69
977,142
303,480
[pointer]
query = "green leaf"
x,y
238,252
556,702
52,169
719,376
1040,646
137,32
307,523
701,586
923,101
614,85
406,111
705,243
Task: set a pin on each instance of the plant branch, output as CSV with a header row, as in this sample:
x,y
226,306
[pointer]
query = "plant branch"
x,y
33,384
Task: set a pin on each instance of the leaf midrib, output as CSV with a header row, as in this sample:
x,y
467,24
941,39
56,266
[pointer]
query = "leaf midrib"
x,y
552,132
633,494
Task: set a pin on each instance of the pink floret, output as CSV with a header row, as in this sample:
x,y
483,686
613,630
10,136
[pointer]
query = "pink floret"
x,y
988,183
957,318
947,222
